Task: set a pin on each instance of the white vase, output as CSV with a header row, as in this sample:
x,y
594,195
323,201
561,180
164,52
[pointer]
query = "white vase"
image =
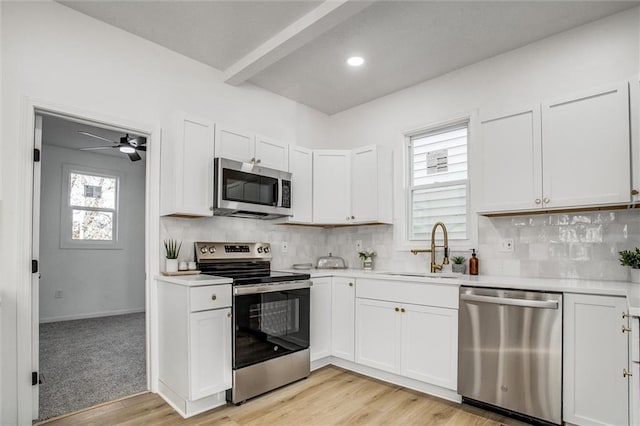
x,y
635,275
171,265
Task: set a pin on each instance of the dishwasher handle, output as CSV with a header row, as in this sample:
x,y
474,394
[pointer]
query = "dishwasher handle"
x,y
543,304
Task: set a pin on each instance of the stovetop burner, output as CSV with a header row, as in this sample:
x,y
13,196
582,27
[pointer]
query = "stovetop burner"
x,y
246,263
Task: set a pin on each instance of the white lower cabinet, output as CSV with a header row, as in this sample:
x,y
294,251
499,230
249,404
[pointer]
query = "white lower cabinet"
x,y
343,317
320,328
194,345
595,359
429,345
413,340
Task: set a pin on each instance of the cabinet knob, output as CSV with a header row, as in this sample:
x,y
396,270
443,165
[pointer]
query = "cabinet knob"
x,y
214,297
397,309
353,217
626,373
625,329
258,161
538,200
634,192
347,217
253,159
625,314
402,310
350,284
546,200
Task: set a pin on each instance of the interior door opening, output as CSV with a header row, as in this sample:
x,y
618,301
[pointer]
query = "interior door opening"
x,y
89,321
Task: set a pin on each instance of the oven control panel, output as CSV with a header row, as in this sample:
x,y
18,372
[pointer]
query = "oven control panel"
x,y
226,250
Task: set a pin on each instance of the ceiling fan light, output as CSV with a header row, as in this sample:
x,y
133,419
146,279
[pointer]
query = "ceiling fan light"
x,y
127,149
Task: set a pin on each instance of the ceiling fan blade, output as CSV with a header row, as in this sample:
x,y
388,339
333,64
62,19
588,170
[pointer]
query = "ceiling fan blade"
x,y
96,136
134,156
141,148
97,147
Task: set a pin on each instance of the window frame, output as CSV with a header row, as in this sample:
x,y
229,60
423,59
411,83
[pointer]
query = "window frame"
x,y
402,241
66,211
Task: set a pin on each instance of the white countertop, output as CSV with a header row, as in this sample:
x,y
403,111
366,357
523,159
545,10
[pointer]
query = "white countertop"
x,y
610,288
194,280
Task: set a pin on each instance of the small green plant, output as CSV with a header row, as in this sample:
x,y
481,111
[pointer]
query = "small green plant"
x,y
368,254
172,248
458,260
630,258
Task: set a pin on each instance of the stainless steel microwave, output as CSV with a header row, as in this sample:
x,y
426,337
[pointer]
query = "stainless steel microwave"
x,y
250,190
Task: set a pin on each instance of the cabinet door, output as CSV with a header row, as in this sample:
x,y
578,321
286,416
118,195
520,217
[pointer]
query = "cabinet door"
x,y
634,105
372,184
320,318
235,144
343,317
331,186
210,352
586,144
430,345
378,326
271,153
595,353
509,159
301,168
187,167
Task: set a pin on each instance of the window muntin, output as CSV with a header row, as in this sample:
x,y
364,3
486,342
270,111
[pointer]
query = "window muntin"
x,y
438,182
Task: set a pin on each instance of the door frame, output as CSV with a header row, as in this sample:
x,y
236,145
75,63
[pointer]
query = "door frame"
x,y
25,210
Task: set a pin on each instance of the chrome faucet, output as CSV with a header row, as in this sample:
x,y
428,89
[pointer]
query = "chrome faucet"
x,y
445,260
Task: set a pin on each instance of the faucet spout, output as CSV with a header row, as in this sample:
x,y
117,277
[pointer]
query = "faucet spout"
x,y
435,267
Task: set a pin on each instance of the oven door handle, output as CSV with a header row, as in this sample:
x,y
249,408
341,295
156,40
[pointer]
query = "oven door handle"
x,y
270,288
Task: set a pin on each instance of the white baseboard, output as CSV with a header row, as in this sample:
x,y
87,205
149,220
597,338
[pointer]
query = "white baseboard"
x,y
406,382
92,315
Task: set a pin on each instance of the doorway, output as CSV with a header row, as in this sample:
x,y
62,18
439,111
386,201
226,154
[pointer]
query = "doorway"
x,y
89,299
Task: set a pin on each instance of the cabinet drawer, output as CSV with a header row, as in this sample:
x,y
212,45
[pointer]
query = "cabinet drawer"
x,y
209,297
439,295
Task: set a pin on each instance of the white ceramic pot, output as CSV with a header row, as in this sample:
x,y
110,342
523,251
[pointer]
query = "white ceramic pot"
x,y
171,265
367,264
635,275
459,268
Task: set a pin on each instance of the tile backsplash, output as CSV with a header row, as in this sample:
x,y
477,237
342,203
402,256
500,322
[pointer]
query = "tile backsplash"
x,y
582,245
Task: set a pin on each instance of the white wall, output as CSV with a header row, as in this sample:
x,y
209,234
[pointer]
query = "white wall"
x,y
598,53
94,282
53,53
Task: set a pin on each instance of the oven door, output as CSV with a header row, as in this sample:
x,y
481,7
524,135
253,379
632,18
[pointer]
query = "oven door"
x,y
270,321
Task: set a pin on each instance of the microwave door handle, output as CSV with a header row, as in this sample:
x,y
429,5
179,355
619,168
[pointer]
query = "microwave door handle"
x,y
279,189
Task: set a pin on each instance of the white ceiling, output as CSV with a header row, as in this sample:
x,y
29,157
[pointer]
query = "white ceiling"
x,y
62,132
298,48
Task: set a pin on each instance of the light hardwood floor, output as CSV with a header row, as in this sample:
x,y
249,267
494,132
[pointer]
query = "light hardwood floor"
x,y
330,396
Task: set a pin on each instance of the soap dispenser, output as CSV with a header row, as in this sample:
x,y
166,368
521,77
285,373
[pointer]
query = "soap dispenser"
x,y
473,263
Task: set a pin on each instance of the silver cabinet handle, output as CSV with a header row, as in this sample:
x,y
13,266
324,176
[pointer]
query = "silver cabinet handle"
x,y
626,373
544,304
625,329
546,200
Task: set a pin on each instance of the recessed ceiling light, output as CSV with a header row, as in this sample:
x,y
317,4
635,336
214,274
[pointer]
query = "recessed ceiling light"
x,y
355,61
127,149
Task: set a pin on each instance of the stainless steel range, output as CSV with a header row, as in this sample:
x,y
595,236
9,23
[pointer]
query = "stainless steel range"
x,y
271,317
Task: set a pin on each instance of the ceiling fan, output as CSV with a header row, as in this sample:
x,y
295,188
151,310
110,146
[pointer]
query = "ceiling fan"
x,y
127,145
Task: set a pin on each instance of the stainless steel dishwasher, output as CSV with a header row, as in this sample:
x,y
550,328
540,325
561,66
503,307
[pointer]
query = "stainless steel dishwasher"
x,y
510,351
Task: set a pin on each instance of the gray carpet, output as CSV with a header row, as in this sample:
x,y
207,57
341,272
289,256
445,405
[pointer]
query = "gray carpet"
x,y
90,361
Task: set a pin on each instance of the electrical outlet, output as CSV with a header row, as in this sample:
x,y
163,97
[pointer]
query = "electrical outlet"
x,y
285,246
58,294
358,245
506,245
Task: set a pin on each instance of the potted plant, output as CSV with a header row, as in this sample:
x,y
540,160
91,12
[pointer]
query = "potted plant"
x,y
631,258
172,250
367,258
458,264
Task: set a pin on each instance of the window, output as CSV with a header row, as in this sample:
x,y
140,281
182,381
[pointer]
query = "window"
x,y
438,182
90,208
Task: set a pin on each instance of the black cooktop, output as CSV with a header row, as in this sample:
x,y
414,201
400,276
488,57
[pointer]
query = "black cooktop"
x,y
249,272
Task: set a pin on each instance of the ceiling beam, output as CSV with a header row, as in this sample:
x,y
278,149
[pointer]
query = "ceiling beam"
x,y
319,20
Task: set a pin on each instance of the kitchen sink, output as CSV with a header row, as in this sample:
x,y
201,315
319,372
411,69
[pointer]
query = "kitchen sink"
x,y
423,274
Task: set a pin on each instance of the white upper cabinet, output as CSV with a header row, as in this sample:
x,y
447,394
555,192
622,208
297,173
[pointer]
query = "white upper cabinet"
x,y
586,149
301,168
371,185
509,152
186,178
570,152
331,186
271,153
247,147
